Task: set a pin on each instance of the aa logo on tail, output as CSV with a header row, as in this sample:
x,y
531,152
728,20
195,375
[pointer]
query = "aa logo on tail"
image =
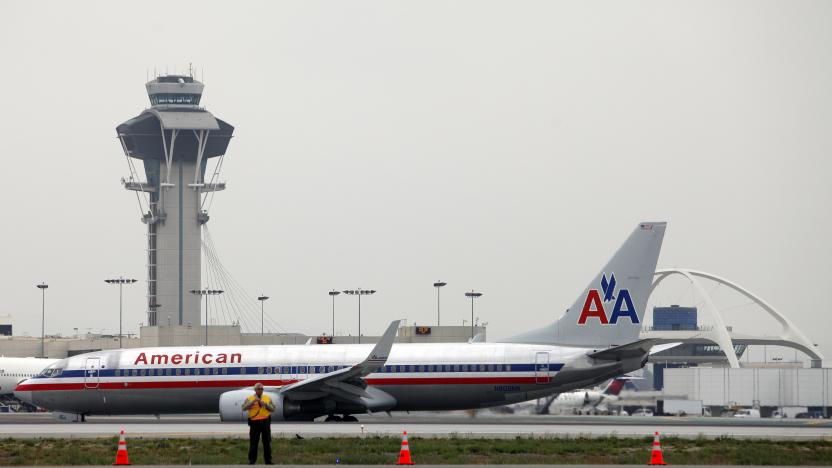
x,y
594,303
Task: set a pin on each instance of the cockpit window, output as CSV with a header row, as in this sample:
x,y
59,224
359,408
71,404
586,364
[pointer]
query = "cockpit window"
x,y
51,372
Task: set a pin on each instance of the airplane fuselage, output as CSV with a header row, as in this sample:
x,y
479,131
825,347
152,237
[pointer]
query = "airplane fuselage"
x,y
578,399
15,370
191,379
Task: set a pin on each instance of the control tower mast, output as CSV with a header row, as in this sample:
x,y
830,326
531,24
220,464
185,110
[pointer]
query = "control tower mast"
x,y
174,139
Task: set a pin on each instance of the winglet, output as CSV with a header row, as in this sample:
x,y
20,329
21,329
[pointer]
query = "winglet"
x,y
378,356
382,348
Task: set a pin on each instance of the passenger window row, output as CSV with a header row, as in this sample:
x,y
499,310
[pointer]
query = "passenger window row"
x,y
447,368
166,372
294,370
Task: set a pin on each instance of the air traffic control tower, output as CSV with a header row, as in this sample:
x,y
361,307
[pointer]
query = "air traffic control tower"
x,y
173,140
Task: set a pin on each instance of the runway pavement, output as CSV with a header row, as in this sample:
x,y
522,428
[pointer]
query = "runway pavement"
x,y
443,466
423,425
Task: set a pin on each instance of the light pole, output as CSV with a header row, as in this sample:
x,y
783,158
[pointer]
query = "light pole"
x,y
206,292
42,287
359,292
473,295
332,294
120,281
438,285
262,298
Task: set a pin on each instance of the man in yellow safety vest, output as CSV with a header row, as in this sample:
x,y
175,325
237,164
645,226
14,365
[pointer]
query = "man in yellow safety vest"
x,y
260,408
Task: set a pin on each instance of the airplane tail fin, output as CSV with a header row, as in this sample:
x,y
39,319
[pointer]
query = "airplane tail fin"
x,y
610,310
615,386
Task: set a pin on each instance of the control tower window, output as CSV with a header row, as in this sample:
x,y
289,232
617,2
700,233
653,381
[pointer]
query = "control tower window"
x,y
175,79
174,98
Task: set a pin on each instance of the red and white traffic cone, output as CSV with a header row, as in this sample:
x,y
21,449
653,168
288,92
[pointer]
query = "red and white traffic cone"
x,y
656,457
121,453
404,453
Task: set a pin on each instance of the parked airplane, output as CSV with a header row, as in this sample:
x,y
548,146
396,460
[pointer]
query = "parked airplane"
x,y
589,401
595,340
15,370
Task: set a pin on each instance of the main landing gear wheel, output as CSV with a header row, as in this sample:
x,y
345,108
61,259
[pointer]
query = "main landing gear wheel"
x,y
333,418
350,418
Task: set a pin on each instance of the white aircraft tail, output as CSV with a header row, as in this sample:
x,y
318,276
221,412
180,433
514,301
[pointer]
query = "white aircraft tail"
x,y
609,312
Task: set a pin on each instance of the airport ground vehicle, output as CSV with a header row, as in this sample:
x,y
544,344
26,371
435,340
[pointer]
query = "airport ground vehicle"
x,y
749,413
642,412
788,412
595,340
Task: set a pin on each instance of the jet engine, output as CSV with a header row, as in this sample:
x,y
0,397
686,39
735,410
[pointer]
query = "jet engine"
x,y
231,405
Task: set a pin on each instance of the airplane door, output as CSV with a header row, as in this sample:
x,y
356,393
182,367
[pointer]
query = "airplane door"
x,y
91,368
541,368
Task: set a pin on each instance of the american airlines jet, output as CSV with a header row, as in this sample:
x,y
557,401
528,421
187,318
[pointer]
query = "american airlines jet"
x,y
595,340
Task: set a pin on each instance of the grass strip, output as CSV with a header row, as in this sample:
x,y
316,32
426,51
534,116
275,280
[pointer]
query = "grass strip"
x,y
384,451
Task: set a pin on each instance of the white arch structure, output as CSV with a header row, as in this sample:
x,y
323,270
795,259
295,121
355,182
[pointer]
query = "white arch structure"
x,y
790,336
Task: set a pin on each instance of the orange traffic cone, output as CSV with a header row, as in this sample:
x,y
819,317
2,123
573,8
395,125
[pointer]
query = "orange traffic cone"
x,y
656,457
404,453
121,453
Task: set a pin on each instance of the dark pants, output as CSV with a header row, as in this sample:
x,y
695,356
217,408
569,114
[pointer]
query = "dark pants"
x,y
257,429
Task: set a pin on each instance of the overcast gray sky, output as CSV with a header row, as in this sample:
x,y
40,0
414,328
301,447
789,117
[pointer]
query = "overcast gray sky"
x,y
503,146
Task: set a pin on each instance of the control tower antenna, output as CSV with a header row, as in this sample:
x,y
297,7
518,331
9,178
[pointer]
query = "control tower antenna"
x,y
174,139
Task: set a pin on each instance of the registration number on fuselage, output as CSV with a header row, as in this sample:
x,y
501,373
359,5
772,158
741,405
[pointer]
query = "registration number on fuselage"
x,y
506,388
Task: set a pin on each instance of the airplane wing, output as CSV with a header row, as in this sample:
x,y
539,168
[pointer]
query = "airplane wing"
x,y
630,350
664,347
348,384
